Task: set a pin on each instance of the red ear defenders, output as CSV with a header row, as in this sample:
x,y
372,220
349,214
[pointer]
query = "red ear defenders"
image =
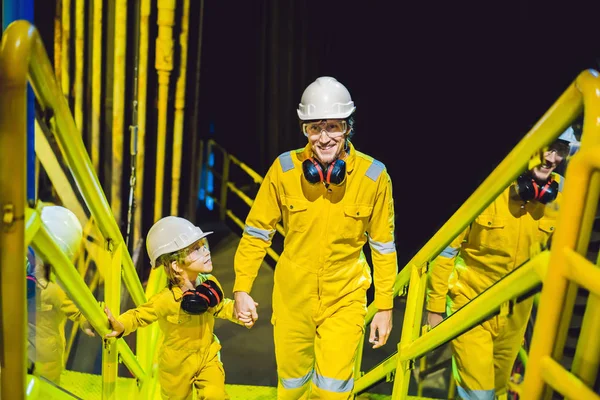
x,y
206,295
528,189
314,172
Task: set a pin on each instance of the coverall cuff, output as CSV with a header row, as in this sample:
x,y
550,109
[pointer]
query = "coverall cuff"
x,y
243,285
384,303
436,305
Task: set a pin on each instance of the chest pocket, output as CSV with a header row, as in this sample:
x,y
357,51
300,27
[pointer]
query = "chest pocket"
x,y
179,319
296,215
491,231
546,228
356,218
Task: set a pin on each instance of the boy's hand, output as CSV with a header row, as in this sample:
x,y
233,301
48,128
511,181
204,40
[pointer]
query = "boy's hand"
x,y
117,327
245,309
86,327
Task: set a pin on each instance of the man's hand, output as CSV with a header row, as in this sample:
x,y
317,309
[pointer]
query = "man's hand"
x,y
434,318
245,309
381,326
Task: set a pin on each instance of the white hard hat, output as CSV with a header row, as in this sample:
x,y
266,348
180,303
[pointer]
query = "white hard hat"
x,y
64,227
171,234
569,137
325,98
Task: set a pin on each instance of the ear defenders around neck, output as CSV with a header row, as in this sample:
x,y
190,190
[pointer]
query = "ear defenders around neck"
x,y
205,296
315,173
529,189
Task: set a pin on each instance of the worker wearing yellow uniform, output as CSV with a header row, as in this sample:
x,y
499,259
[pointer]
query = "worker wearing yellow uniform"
x,y
500,239
190,353
333,200
48,306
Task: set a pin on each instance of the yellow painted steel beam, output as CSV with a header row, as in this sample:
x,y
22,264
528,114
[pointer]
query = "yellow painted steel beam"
x,y
14,60
565,382
142,105
120,55
573,220
96,88
65,49
112,297
79,63
587,353
179,109
164,66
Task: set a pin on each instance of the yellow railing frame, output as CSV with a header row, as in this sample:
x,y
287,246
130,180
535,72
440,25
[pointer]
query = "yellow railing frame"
x,y
23,59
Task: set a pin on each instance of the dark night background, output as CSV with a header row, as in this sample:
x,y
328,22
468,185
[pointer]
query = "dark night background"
x,y
443,89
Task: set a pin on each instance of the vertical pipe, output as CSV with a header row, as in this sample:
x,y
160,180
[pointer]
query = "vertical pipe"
x,y
120,55
142,96
197,149
66,39
12,11
79,63
587,353
57,39
112,296
96,83
179,109
164,66
13,146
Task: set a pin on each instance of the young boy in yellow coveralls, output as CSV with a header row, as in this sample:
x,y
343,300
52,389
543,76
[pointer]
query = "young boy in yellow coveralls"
x,y
500,239
190,353
48,306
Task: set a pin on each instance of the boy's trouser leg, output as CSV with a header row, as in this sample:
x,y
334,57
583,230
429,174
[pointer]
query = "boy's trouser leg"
x,y
210,381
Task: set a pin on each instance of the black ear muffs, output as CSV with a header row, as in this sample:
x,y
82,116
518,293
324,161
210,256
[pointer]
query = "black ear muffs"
x,y
205,296
314,172
529,189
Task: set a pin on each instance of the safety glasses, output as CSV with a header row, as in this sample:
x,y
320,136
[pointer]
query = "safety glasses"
x,y
334,128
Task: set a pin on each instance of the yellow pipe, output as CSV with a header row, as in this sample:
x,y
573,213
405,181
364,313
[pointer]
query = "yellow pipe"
x,y
120,54
566,383
179,109
570,224
164,66
65,51
96,83
17,41
142,101
79,63
57,39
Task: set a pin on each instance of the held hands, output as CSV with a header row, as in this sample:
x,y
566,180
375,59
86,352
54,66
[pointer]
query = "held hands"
x,y
245,309
381,327
117,327
433,319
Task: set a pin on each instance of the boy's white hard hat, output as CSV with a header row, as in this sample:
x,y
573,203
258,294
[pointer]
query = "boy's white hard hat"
x,y
171,234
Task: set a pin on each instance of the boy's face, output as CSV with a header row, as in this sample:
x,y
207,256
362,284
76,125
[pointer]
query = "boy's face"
x,y
198,259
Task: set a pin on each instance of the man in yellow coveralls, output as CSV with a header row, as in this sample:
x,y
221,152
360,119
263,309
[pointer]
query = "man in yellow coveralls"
x,y
523,217
332,199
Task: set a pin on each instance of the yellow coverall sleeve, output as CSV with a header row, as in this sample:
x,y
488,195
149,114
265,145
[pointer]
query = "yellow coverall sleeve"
x,y
258,232
439,274
63,303
140,316
381,242
224,309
